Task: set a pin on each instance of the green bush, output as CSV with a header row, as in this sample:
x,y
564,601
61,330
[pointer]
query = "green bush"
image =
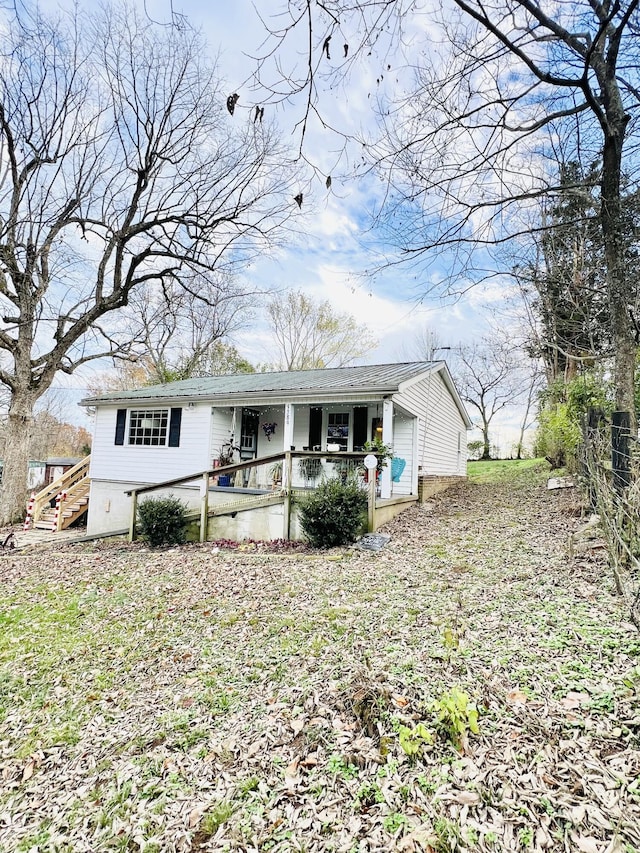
x,y
474,449
558,436
163,521
335,514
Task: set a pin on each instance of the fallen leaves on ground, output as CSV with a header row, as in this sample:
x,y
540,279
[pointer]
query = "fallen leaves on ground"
x,y
187,700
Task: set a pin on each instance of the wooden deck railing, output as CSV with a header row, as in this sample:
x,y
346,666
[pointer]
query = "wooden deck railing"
x,y
277,465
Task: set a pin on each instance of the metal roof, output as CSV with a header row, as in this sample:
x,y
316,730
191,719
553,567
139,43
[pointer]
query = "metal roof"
x,y
378,378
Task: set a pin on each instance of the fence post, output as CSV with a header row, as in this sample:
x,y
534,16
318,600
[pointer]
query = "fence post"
x,y
620,456
371,514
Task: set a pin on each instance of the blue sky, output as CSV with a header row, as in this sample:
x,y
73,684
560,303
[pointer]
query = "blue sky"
x,y
330,259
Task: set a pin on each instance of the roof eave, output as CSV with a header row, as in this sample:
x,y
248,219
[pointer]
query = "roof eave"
x,y
252,397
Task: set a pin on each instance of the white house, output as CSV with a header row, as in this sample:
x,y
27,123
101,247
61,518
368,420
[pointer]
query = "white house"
x,y
161,433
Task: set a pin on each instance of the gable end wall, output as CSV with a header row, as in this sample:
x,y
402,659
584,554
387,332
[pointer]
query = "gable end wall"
x,y
442,433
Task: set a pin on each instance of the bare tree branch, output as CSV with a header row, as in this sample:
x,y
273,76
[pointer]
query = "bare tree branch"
x,y
119,170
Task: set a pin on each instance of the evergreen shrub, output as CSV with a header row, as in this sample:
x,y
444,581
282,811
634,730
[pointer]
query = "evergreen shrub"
x,y
163,521
334,514
558,437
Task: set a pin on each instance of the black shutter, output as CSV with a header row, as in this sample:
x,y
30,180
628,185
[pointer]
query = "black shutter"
x,y
121,420
360,423
174,427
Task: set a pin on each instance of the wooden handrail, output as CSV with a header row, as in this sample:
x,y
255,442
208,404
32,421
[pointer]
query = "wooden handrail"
x,y
63,483
223,469
251,463
285,456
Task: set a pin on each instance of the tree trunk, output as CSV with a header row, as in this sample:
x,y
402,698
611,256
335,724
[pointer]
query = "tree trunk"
x,y
15,472
486,446
525,418
618,285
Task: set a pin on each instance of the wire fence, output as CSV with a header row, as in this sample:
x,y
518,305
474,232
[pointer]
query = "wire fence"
x,y
610,463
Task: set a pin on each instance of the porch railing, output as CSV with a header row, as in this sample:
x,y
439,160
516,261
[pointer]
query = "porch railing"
x,y
279,472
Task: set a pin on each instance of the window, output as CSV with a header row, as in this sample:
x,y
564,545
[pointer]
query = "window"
x,y
148,426
249,434
338,429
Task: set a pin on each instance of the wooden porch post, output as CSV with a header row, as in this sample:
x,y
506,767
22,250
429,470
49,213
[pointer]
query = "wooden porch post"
x,y
287,432
204,507
132,520
286,486
387,438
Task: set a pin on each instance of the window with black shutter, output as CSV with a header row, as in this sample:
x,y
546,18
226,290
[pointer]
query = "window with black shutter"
x,y
149,427
175,422
121,421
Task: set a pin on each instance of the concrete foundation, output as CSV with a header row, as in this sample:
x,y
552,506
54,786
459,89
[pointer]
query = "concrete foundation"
x,y
110,511
388,509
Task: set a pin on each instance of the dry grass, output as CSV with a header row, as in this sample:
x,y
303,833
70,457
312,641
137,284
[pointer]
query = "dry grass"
x,y
185,700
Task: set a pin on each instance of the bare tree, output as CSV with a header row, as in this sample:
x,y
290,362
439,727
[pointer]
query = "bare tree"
x,y
120,168
311,334
177,331
494,86
490,377
426,345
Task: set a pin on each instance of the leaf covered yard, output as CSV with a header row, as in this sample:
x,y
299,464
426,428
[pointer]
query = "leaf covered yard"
x,y
469,687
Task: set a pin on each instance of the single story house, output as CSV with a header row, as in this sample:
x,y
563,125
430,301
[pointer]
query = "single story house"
x,y
160,433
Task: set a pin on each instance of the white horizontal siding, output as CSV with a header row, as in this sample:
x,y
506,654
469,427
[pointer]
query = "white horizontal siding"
x,y
442,438
142,464
271,415
221,427
301,426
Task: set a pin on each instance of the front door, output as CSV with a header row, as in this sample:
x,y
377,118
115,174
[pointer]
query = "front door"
x,y
249,434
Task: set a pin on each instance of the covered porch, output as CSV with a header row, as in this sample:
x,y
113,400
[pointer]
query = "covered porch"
x,y
333,436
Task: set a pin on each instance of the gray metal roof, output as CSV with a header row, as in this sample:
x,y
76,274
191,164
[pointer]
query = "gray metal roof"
x,y
379,378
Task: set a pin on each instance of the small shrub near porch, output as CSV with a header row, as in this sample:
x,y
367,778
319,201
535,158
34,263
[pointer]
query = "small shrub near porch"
x,y
163,521
335,514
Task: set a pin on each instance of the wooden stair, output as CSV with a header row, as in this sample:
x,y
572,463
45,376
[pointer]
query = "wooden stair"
x,y
71,492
